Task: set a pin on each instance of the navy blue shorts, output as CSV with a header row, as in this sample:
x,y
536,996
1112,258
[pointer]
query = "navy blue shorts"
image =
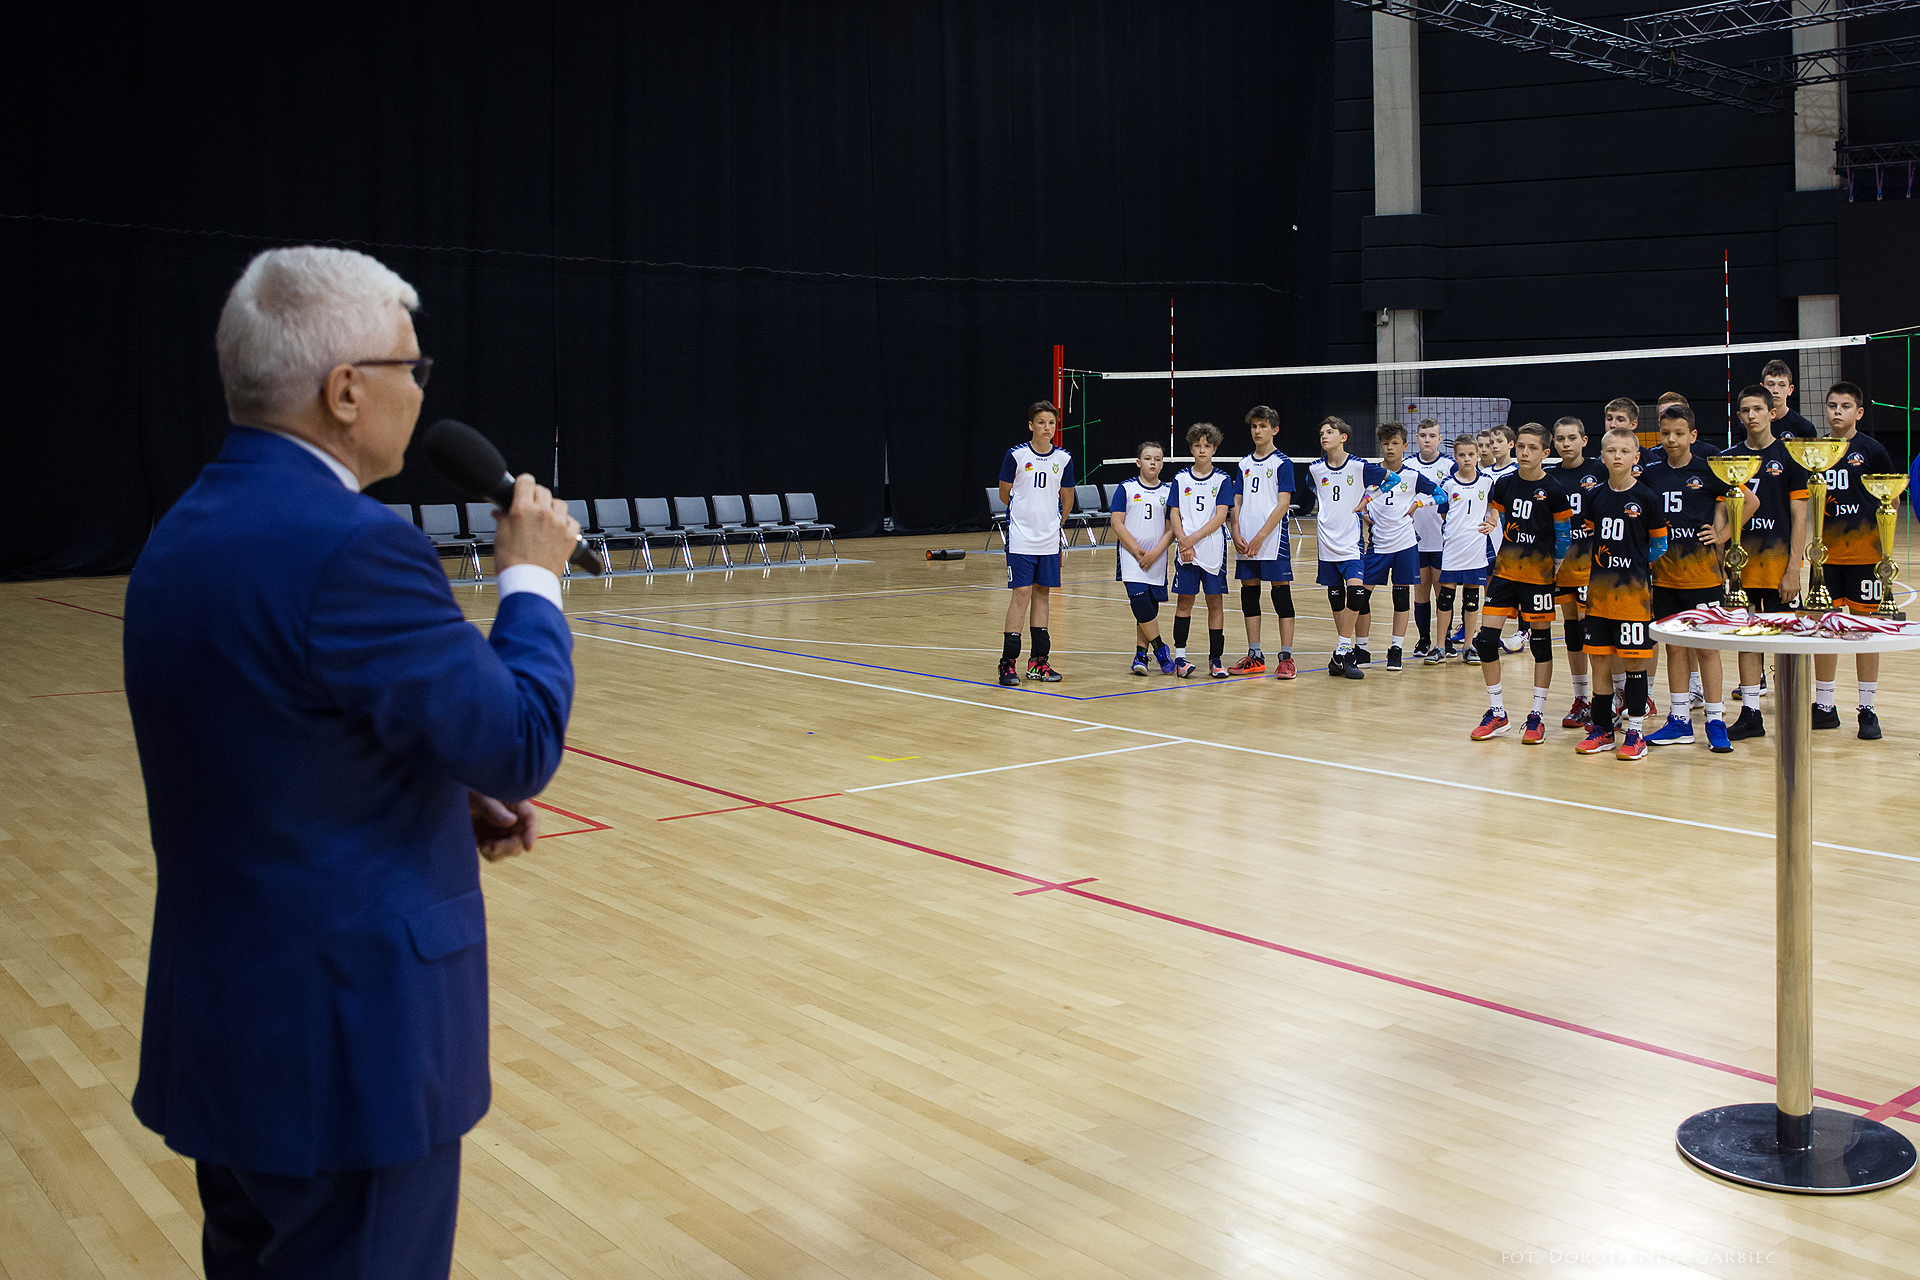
x,y
1430,559
1155,591
1465,577
1402,566
1275,570
1192,580
1032,571
1337,573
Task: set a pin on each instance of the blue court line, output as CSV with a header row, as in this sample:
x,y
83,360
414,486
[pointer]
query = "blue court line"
x,y
905,671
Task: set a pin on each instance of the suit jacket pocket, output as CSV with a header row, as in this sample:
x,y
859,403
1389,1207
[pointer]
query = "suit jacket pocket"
x,y
446,927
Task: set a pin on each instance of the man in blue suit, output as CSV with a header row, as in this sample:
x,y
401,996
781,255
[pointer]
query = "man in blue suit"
x,y
325,741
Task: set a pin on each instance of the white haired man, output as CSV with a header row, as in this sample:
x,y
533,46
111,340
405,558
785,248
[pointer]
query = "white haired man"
x,y
325,741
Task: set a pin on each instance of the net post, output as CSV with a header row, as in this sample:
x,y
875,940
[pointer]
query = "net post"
x,y
1059,423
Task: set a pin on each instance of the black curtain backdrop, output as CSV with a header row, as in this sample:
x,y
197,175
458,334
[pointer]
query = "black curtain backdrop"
x,y
713,248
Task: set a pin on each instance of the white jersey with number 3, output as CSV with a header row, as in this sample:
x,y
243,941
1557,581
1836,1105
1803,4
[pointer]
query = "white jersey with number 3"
x,y
1142,509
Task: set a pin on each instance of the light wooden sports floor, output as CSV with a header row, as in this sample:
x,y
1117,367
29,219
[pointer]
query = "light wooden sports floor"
x,y
844,962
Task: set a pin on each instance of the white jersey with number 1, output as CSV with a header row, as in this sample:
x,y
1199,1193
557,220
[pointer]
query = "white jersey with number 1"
x,y
1466,547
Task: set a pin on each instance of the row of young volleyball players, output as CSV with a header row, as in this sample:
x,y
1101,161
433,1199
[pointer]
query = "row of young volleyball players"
x,y
1525,516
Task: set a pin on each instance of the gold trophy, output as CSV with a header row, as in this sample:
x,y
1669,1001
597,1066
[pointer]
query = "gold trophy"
x,y
1888,489
1735,469
1816,455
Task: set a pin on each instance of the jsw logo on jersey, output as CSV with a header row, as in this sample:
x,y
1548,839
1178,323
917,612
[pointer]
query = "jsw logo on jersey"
x,y
1616,562
1764,522
1849,508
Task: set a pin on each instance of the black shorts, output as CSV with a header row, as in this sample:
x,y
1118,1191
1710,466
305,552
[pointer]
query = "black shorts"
x,y
1628,639
1763,599
1532,602
1855,587
1668,601
1570,592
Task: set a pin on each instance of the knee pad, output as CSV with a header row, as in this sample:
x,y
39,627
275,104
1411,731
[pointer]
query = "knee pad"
x,y
1250,599
1282,600
1402,599
1576,636
1470,599
1337,597
1542,642
1486,643
1145,607
1357,599
1446,598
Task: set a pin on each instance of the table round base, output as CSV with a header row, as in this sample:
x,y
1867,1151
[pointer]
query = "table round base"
x,y
1849,1152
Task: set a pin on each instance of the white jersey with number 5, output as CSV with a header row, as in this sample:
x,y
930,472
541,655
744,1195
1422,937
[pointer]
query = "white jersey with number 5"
x,y
1465,546
1198,497
1033,505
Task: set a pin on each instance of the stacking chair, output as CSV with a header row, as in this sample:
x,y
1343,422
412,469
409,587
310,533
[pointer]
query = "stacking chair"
x,y
614,518
577,508
1092,512
691,520
767,517
805,517
440,521
402,509
481,526
996,518
730,515
654,521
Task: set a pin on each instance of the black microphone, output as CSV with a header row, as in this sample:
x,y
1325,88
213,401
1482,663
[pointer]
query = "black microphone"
x,y
472,465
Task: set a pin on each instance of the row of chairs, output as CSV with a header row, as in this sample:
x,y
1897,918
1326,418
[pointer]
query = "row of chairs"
x,y
639,523
1090,514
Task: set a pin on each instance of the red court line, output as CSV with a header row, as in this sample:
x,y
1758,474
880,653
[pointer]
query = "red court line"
x,y
1896,1106
554,808
81,693
1347,966
1043,888
81,607
741,808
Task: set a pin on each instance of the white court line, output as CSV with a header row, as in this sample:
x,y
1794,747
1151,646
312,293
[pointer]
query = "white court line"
x,y
1033,764
1225,746
758,600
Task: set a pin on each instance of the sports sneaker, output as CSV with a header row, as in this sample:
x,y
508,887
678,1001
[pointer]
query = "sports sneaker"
x,y
1164,656
1697,700
1471,657
1826,717
1581,712
1459,636
1352,670
1218,669
1869,725
1394,660
1183,668
1007,675
1632,747
1676,732
1360,657
1717,737
1420,649
1517,641
1139,667
1596,741
1041,671
1436,656
1283,669
1491,725
1748,725
1337,665
1252,665
1536,731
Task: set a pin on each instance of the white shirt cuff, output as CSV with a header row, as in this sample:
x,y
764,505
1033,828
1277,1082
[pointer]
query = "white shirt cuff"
x,y
531,577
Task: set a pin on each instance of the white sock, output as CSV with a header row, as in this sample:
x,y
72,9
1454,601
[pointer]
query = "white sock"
x,y
1254,649
1823,694
1583,687
1179,651
1681,704
1750,695
1632,723
1539,700
1693,683
1493,699
1867,689
1400,640
1717,711
1619,683
1344,645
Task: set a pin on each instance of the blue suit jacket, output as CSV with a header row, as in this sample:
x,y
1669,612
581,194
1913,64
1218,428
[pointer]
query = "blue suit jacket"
x,y
311,707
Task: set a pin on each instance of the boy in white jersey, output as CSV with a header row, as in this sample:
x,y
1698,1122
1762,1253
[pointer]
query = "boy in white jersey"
x,y
1036,483
1464,559
1393,558
1339,481
1141,527
1430,462
1262,549
1202,499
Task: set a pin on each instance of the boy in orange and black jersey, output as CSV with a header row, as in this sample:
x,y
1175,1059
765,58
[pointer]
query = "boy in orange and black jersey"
x,y
1535,538
1577,475
1852,535
1629,534
1775,539
1688,576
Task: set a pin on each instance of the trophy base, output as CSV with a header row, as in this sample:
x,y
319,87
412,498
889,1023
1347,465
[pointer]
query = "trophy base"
x,y
1850,1153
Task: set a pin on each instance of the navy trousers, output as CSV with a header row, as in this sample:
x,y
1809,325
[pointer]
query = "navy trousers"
x,y
393,1223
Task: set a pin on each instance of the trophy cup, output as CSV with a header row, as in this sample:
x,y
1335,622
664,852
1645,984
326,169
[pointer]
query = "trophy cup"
x,y
1888,489
1816,455
1735,469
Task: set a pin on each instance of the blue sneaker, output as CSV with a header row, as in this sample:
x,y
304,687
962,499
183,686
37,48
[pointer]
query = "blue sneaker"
x,y
1676,732
1164,656
1139,667
1717,739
